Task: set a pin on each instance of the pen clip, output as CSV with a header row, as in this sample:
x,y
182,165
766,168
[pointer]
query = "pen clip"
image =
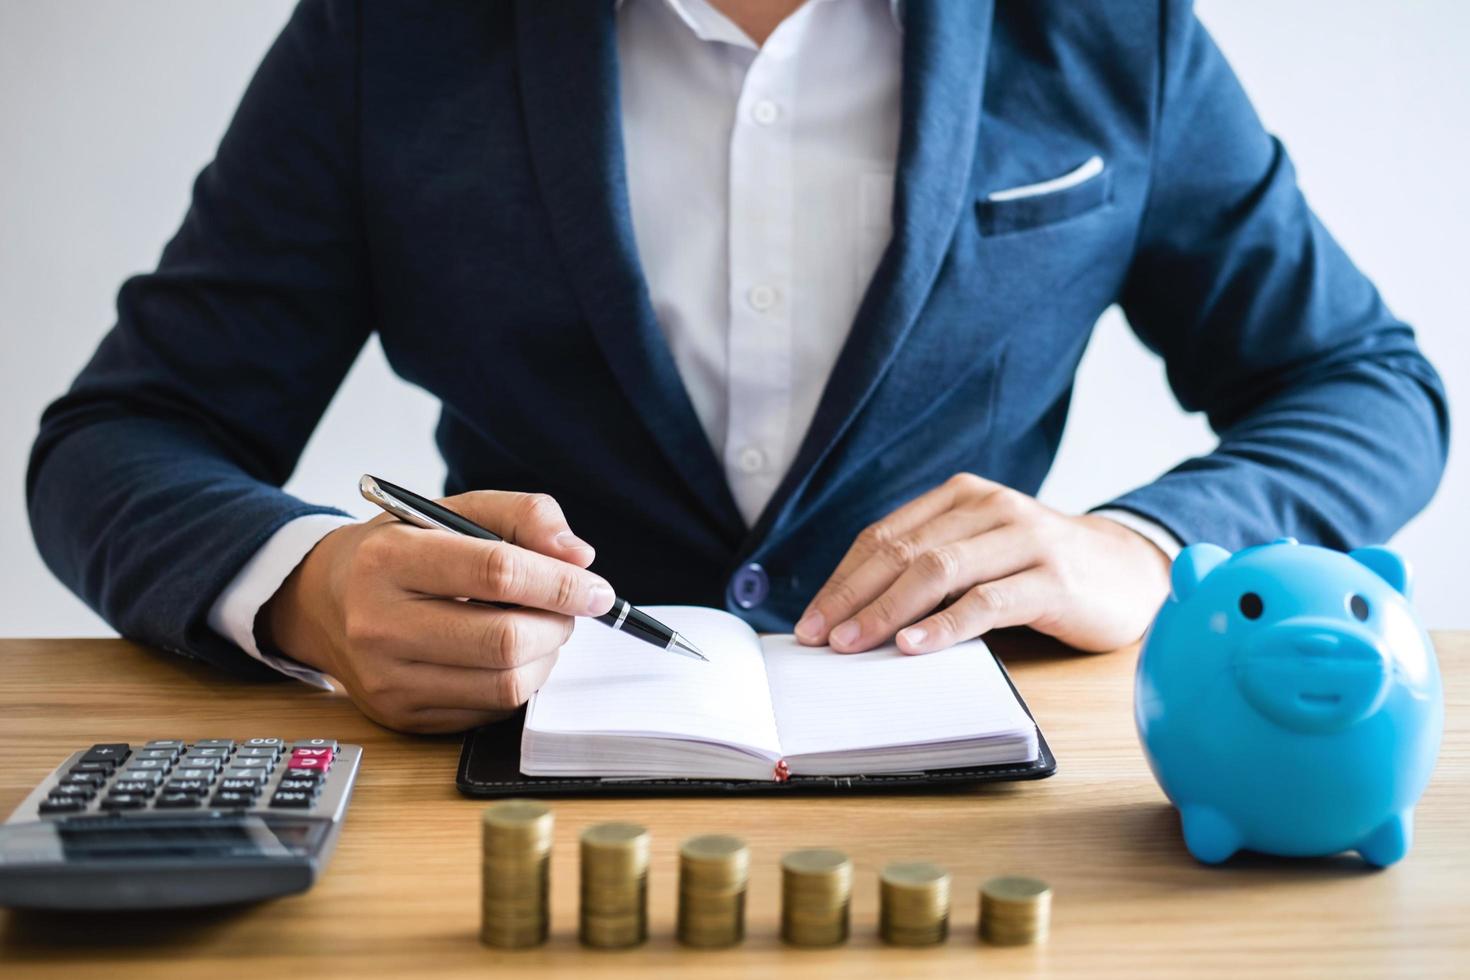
x,y
374,493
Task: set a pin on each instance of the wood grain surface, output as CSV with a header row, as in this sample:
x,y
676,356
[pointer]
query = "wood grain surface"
x,y
401,895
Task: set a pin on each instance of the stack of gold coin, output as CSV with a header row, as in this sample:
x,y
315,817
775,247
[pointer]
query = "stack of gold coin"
x,y
517,865
816,894
614,885
713,871
1014,911
913,907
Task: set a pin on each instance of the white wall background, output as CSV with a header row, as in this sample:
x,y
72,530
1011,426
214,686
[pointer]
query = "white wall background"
x,y
108,110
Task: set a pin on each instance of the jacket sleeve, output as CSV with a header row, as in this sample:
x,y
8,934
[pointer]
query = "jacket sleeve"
x,y
1333,427
158,474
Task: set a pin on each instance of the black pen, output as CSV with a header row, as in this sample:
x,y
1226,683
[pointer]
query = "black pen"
x,y
419,511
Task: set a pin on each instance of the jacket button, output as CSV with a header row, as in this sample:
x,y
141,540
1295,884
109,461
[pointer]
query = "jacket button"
x,y
750,586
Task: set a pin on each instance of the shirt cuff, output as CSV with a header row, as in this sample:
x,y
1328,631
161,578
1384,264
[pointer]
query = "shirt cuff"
x,y
234,612
1160,536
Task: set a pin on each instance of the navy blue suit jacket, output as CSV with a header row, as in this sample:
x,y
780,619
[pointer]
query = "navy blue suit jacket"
x,y
450,174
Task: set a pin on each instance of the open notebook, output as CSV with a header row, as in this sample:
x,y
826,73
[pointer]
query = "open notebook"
x,y
617,709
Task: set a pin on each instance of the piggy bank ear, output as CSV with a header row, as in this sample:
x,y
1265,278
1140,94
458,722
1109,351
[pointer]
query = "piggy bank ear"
x,y
1387,564
1191,567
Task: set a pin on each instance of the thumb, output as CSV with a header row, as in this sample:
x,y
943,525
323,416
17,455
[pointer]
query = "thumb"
x,y
533,521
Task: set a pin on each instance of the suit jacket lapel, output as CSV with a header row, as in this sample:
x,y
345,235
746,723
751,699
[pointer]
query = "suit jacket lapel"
x,y
945,50
567,56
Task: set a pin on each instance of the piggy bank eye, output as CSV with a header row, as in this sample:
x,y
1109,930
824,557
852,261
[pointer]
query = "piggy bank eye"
x,y
1359,607
1251,606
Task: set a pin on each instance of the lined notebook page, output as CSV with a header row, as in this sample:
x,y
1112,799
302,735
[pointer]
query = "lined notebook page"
x,y
834,702
605,681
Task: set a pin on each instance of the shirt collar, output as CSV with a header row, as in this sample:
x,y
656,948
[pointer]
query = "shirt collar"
x,y
708,24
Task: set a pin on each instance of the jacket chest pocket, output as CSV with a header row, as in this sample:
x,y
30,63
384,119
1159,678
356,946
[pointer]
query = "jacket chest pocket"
x,y
1073,194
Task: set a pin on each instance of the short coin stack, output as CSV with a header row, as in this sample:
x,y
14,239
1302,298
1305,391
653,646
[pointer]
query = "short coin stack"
x,y
713,872
913,904
816,895
614,885
1014,911
517,864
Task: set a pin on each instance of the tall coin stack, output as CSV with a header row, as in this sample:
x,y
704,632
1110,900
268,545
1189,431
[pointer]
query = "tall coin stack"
x,y
913,905
1014,911
614,885
713,872
816,894
516,877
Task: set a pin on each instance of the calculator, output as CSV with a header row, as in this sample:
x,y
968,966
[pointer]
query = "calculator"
x,y
175,824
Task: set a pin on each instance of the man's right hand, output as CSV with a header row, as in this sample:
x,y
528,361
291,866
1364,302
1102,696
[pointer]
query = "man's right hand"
x,y
379,607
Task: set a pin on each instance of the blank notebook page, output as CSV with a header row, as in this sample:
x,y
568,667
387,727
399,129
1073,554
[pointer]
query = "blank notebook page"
x,y
605,681
831,702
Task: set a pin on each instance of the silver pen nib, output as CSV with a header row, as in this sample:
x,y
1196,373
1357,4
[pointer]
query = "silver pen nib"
x,y
684,648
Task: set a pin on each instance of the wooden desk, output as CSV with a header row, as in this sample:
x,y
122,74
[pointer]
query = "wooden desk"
x,y
401,896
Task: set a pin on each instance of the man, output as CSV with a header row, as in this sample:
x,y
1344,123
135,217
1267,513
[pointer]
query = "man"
x,y
776,304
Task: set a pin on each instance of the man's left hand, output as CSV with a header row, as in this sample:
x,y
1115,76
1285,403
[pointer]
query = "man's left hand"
x,y
970,556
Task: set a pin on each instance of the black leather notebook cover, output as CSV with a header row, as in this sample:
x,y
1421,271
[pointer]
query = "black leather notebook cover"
x,y
490,759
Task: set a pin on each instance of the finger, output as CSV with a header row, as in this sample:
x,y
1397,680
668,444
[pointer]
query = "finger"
x,y
1016,600
839,601
931,577
530,520
439,563
815,622
461,634
435,686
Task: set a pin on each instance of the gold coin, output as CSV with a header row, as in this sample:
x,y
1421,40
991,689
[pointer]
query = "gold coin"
x,y
816,862
512,825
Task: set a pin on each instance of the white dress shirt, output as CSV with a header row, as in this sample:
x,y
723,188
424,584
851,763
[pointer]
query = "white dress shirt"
x,y
760,181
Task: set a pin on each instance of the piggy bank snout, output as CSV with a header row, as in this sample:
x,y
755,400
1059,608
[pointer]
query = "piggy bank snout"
x,y
1313,675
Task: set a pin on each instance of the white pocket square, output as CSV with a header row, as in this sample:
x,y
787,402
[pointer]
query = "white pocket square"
x,y
1087,171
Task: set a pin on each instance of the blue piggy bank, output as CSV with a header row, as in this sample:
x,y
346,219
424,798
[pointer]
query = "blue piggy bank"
x,y
1289,702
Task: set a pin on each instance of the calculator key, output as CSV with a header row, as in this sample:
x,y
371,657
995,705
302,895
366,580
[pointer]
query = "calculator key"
x,y
177,801
230,798
258,752
199,786
233,785
107,752
195,762
160,765
140,787
299,773
165,743
84,779
214,743
123,801
254,762
64,792
154,776
315,743
257,776
264,743
293,799
63,805
104,768
167,754
194,773
299,785
208,752
322,753
308,762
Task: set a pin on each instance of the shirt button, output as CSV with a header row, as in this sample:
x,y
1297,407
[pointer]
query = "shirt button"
x,y
765,112
750,586
751,460
761,298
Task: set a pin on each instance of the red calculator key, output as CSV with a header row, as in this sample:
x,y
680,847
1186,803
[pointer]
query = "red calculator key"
x,y
309,762
311,753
